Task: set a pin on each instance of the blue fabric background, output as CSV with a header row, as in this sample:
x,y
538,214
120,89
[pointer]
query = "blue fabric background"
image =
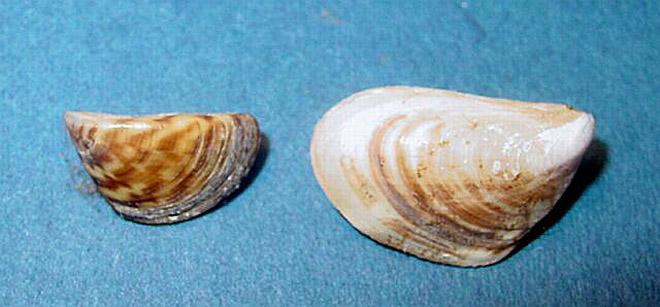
x,y
280,241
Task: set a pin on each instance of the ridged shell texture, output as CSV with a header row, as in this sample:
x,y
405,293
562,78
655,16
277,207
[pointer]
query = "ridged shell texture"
x,y
449,177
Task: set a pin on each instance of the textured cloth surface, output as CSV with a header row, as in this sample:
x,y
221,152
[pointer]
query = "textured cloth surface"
x,y
280,241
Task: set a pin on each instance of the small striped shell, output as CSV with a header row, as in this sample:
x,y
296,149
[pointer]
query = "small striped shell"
x,y
164,168
449,177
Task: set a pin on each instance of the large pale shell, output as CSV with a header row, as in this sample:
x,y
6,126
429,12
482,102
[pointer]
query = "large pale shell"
x,y
449,177
164,168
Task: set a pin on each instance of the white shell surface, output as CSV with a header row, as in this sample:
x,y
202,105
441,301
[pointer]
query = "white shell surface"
x,y
449,177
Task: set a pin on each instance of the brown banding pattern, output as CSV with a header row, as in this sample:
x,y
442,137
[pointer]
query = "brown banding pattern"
x,y
446,211
358,182
449,177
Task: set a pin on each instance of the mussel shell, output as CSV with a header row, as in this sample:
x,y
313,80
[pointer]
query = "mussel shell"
x,y
165,168
448,177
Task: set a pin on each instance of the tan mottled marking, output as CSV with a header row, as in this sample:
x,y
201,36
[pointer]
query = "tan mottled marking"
x,y
157,162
